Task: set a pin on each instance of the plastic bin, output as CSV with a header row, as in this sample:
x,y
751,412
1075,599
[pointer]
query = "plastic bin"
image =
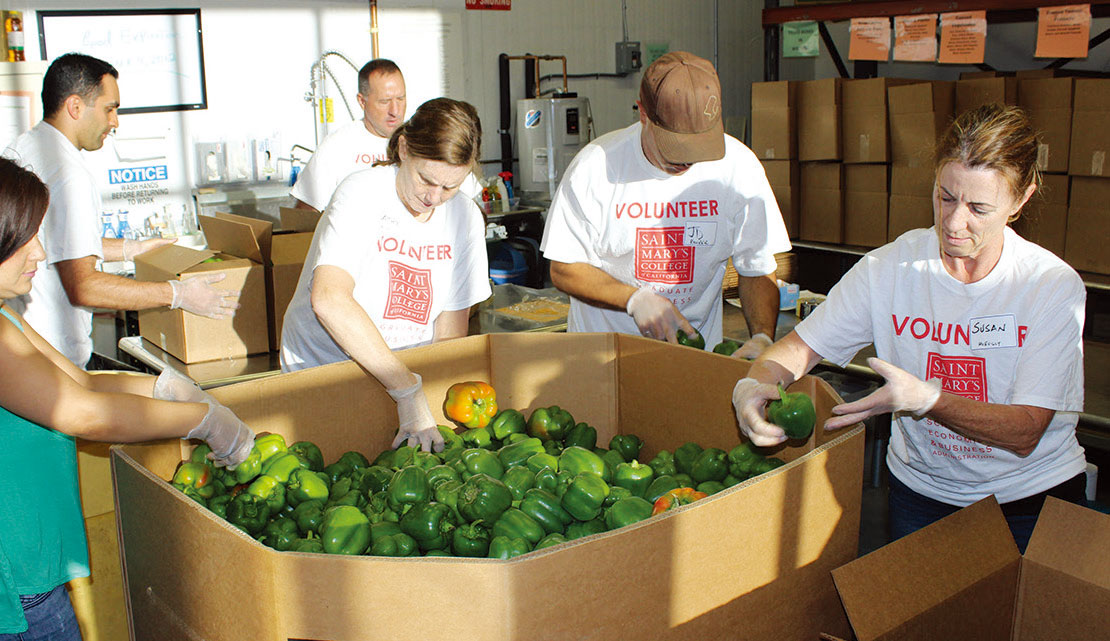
x,y
507,264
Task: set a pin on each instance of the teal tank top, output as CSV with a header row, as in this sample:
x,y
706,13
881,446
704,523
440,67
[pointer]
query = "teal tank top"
x,y
42,530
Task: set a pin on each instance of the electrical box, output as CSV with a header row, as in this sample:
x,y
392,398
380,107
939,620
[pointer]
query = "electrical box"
x,y
629,59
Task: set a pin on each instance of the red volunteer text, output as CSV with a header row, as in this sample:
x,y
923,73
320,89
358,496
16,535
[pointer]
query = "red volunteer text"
x,y
368,159
679,209
939,332
392,245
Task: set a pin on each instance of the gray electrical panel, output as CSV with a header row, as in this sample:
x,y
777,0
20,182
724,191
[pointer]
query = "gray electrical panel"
x,y
628,57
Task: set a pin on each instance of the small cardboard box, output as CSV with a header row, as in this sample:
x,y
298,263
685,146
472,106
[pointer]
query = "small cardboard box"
x,y
1088,235
908,212
866,197
912,179
1090,137
919,114
972,93
1044,219
963,578
192,338
819,119
774,136
288,249
1047,101
863,120
703,571
782,175
822,212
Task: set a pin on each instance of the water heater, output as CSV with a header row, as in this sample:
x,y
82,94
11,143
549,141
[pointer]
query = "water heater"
x,y
549,131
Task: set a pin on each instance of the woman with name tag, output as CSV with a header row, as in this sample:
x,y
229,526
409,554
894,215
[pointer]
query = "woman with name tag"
x,y
397,260
45,402
978,334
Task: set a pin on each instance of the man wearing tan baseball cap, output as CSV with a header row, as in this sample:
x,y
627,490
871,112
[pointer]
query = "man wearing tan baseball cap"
x,y
646,217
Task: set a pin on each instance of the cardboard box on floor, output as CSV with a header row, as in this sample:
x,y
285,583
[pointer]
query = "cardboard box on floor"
x,y
822,211
963,578
288,250
774,136
1044,219
193,338
819,119
705,571
1090,137
1088,233
1047,102
866,198
782,175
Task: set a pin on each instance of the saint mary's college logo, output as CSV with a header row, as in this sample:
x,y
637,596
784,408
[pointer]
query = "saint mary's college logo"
x,y
960,375
410,293
661,257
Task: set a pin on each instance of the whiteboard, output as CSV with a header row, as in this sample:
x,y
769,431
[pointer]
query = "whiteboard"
x,y
158,52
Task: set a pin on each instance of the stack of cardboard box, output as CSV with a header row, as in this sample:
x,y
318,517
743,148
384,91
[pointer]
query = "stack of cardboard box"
x,y
1048,103
819,150
919,114
775,143
1088,226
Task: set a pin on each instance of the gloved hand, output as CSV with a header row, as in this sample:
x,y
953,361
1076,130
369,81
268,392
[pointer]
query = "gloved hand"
x,y
133,247
753,347
903,392
656,316
749,399
172,385
414,417
196,295
230,439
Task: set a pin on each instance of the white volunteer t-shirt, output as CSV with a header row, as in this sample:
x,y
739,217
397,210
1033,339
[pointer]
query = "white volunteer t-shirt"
x,y
406,272
69,230
1012,338
616,211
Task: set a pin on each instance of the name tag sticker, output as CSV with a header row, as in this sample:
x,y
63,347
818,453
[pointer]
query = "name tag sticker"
x,y
993,332
700,234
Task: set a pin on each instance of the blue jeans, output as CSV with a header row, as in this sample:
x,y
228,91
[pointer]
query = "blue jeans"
x,y
910,511
52,619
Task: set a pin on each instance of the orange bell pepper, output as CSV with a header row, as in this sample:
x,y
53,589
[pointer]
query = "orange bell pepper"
x,y
471,404
676,497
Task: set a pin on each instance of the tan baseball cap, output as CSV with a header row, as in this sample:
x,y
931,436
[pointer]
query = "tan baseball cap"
x,y
681,94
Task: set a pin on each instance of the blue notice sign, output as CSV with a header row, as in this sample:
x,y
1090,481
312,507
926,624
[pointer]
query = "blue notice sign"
x,y
137,174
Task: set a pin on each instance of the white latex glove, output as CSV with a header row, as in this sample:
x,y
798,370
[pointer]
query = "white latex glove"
x,y
197,295
749,399
903,392
172,385
416,426
656,316
133,247
753,347
230,439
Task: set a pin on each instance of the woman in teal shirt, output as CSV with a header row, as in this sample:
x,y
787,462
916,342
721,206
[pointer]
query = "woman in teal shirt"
x,y
46,401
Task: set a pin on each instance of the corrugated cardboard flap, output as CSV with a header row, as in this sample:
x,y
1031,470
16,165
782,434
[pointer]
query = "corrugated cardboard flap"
x,y
298,219
230,234
939,578
1072,539
169,261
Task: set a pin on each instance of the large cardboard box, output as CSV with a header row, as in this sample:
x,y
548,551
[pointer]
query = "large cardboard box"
x,y
774,136
919,115
288,249
963,578
193,338
1047,101
819,119
972,93
866,197
908,212
1044,219
863,119
705,571
1088,235
912,179
1090,137
783,177
822,212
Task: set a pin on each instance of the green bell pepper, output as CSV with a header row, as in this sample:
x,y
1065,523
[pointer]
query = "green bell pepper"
x,y
685,456
663,464
397,545
627,511
305,485
793,412
519,480
579,529
634,476
354,460
726,347
628,445
710,465
383,529
309,451
697,341
403,456
612,459
684,480
337,470
483,497
730,480
430,525
441,474
218,505
576,460
373,479
200,453
309,516
249,468
309,545
518,453
195,476
507,422
537,462
451,439
503,547
248,512
269,446
585,495
742,459
447,493
550,423
281,465
424,460
660,486
471,540
268,489
515,437
581,435
478,437
345,530
478,461
710,487
409,487
546,509
516,524
378,509
280,534
616,493
554,448
555,538
766,465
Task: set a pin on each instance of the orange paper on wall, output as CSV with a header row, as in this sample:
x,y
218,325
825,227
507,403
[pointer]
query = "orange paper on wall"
x,y
1063,32
870,39
915,38
963,37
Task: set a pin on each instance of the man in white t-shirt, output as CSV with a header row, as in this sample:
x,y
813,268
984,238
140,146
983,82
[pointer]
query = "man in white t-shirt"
x,y
80,98
359,143
646,217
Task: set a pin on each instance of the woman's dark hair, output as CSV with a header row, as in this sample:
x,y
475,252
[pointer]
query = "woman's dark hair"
x,y
23,202
442,129
73,73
